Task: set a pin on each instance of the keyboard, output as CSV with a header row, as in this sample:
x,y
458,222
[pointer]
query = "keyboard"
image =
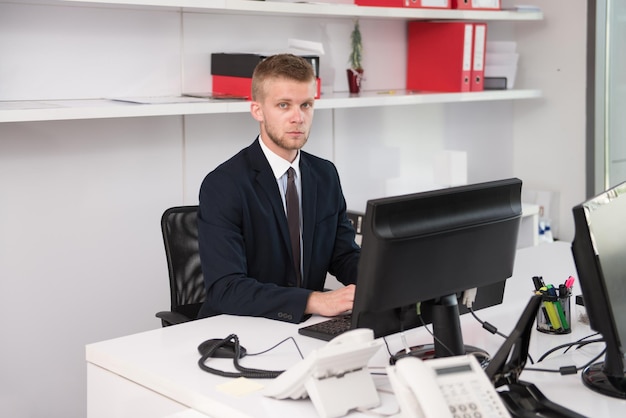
x,y
327,330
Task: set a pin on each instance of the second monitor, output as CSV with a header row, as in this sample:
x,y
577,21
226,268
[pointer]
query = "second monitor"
x,y
422,251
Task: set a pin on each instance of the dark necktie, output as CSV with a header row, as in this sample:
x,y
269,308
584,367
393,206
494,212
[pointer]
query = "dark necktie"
x,y
293,219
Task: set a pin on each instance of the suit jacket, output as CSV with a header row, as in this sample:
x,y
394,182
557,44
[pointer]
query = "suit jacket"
x,y
244,238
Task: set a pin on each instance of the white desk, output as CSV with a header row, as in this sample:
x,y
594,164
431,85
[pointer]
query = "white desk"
x,y
155,373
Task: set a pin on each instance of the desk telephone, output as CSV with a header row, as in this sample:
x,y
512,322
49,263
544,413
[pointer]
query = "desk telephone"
x,y
334,376
444,387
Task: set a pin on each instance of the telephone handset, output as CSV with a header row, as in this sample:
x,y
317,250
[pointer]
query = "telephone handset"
x,y
444,387
334,376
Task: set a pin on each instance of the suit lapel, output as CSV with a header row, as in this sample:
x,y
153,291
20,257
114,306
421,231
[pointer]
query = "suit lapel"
x,y
267,182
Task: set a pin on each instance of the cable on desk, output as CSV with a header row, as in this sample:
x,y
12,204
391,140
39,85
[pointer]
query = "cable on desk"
x,y
493,330
580,343
582,339
242,371
572,369
387,345
402,318
487,325
593,360
276,345
419,315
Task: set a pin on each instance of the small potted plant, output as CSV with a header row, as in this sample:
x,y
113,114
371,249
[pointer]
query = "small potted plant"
x,y
355,72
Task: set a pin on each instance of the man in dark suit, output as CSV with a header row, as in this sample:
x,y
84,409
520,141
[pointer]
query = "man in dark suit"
x,y
251,266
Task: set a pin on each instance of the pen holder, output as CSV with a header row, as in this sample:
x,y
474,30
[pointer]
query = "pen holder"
x,y
554,315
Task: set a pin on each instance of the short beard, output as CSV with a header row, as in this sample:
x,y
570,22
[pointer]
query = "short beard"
x,y
284,144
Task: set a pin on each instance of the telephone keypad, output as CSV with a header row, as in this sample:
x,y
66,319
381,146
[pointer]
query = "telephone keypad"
x,y
466,402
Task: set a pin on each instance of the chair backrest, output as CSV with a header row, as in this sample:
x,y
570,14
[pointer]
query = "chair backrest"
x,y
180,236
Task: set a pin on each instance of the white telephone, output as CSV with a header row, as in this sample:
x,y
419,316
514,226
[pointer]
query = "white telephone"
x,y
444,387
334,376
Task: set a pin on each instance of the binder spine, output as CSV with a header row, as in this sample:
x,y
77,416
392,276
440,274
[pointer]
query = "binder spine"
x,y
467,57
478,58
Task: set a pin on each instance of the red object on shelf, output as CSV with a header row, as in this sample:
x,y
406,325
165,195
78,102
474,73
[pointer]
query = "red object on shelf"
x,y
476,4
439,56
229,86
425,4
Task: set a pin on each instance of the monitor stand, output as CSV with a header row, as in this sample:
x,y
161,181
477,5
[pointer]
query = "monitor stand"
x,y
428,351
597,376
448,339
522,399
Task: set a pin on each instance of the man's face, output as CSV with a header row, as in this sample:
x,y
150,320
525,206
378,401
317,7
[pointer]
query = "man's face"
x,y
285,114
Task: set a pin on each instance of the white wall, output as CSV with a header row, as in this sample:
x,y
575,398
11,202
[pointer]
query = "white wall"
x,y
52,52
81,257
549,144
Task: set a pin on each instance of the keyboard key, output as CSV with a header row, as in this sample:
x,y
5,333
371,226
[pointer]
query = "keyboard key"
x,y
327,330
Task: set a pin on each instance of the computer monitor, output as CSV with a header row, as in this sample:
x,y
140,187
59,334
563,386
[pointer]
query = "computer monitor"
x,y
599,250
427,248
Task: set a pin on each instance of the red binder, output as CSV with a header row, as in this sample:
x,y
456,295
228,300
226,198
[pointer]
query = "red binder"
x,y
427,4
478,57
477,4
439,56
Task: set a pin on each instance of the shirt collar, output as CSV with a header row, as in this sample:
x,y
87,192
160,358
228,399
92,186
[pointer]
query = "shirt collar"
x,y
278,164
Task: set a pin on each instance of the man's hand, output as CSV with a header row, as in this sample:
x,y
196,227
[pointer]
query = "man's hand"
x,y
331,303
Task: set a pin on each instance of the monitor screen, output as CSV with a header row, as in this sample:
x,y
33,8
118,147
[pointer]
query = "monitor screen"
x,y
599,250
423,250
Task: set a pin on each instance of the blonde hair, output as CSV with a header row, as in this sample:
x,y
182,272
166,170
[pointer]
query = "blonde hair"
x,y
286,66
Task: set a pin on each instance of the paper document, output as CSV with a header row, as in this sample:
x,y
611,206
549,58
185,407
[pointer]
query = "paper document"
x,y
161,99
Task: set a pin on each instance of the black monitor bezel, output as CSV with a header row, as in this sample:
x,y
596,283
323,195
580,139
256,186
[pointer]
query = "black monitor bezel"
x,y
386,319
607,377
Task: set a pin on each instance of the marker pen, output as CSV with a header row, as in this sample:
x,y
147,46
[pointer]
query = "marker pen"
x,y
555,322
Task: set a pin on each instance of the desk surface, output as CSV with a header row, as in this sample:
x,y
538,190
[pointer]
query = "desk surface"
x,y
165,360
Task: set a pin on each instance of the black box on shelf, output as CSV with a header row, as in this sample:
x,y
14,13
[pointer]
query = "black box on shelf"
x,y
231,73
243,64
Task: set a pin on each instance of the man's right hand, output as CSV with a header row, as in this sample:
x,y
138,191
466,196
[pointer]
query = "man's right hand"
x,y
331,303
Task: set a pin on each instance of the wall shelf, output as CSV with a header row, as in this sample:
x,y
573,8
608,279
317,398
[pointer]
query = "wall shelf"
x,y
255,7
349,10
47,110
93,108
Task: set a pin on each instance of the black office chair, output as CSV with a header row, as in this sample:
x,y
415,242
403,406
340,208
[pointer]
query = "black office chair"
x,y
180,236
